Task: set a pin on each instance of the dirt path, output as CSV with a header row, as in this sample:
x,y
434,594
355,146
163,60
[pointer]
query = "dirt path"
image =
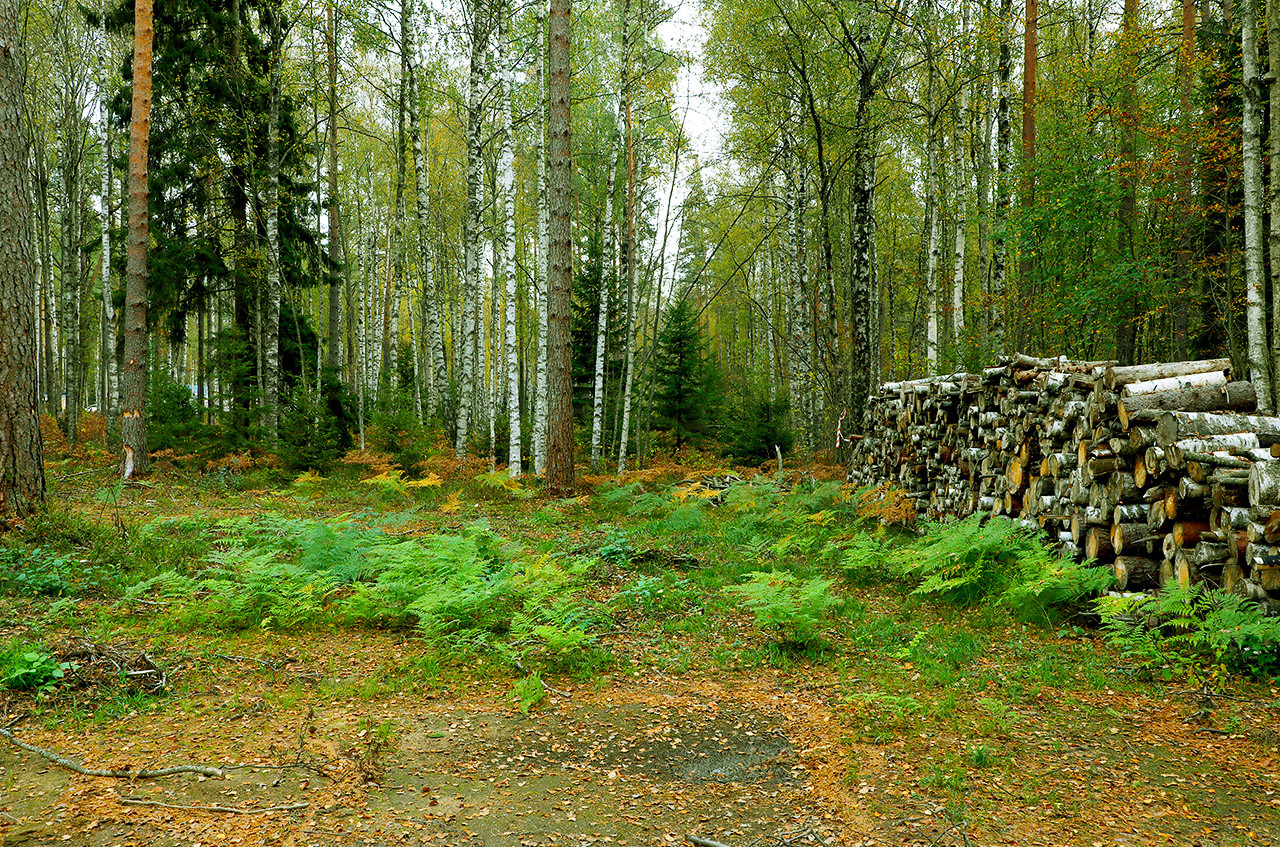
x,y
638,761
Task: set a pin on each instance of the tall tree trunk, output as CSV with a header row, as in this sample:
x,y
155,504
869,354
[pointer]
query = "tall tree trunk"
x,y
507,168
107,402
960,193
133,424
541,268
21,451
560,473
1030,53
960,181
271,314
602,314
629,264
70,161
1186,157
471,232
1254,276
933,259
1127,209
1000,248
1273,186
333,355
438,379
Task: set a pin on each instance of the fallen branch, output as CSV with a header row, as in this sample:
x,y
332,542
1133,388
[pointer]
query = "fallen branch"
x,y
703,842
138,801
145,773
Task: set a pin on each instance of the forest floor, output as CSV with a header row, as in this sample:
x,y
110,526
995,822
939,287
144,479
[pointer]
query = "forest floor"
x,y
908,722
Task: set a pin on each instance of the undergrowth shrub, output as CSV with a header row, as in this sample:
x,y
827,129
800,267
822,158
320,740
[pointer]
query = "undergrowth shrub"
x,y
1194,633
998,560
795,609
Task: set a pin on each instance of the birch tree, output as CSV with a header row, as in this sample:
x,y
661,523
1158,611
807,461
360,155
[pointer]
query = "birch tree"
x,y
1254,275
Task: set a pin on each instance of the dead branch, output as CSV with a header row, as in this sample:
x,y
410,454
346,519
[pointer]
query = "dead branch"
x,y
703,842
145,773
232,810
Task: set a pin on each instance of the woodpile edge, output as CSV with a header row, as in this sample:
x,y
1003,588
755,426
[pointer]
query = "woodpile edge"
x,y
1161,471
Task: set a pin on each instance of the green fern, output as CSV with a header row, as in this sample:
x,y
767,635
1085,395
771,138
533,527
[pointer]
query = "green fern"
x,y
796,609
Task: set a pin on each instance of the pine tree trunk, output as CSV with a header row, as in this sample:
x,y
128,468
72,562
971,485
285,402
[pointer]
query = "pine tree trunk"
x,y
560,471
1254,277
22,486
133,424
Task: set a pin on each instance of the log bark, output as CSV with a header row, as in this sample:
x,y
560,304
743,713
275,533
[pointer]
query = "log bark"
x,y
1135,572
1176,426
1115,376
1264,483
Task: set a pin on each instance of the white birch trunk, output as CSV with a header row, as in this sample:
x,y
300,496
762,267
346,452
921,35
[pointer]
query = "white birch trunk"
x,y
540,418
1254,274
107,402
507,190
960,195
602,320
271,318
471,241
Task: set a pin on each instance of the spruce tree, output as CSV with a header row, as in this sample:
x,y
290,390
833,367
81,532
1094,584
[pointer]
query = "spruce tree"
x,y
686,380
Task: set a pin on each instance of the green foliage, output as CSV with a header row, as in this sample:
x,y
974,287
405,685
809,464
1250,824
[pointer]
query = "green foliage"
x,y
529,692
173,421
661,596
979,559
757,426
1194,633
688,386
29,667
315,427
796,609
869,559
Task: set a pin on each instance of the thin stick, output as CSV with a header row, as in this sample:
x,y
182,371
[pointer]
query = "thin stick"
x,y
64,762
137,801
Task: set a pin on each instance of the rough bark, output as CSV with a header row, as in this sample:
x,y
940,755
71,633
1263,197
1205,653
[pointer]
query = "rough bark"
x,y
21,451
133,422
560,474
469,370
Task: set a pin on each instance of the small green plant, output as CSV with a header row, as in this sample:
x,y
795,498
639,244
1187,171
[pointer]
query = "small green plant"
x,y
26,667
663,595
980,756
529,692
796,609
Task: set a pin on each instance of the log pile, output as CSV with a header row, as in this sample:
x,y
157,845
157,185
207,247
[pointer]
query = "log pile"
x,y
1159,470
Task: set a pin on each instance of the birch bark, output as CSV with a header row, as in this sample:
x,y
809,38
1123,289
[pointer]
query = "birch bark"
x,y
1254,277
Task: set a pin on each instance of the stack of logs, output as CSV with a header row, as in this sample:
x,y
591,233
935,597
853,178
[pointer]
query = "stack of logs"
x,y
1159,470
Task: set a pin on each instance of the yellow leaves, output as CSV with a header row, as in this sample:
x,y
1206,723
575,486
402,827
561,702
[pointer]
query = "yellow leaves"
x,y
428,481
823,518
452,504
695,490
